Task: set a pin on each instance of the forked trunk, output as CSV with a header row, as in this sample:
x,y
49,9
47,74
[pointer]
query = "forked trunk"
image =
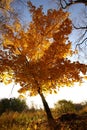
x,y
51,121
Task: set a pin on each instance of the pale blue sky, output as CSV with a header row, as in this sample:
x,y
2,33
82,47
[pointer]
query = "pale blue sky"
x,y
22,9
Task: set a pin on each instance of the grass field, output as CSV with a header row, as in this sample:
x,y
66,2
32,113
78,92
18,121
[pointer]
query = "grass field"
x,y
36,120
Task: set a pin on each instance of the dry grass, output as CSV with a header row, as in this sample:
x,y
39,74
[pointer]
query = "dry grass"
x,y
36,120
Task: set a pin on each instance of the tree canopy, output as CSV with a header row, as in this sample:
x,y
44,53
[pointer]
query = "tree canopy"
x,y
41,53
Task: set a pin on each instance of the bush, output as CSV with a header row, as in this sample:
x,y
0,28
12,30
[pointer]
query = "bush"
x,y
83,110
78,106
64,106
12,104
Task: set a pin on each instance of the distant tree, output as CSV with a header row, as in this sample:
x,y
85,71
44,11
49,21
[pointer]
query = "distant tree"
x,y
64,106
12,104
17,104
37,58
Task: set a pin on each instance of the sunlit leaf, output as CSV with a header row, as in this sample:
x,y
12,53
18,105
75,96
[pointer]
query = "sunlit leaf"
x,y
21,96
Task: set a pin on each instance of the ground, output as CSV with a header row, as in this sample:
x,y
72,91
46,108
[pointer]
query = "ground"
x,y
36,120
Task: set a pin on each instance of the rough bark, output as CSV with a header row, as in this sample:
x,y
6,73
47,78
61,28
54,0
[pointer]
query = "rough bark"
x,y
51,121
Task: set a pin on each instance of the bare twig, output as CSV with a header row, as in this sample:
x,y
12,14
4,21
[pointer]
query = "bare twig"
x,y
81,27
65,4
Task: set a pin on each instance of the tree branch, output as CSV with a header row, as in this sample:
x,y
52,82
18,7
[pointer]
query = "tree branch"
x,y
84,40
65,4
81,27
83,37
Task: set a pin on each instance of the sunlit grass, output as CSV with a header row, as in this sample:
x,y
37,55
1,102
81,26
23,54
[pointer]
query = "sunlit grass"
x,y
22,121
33,119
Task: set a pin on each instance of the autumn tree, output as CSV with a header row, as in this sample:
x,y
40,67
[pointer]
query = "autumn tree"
x,y
38,58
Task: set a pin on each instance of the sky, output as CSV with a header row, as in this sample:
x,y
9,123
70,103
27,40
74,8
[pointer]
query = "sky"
x,y
76,94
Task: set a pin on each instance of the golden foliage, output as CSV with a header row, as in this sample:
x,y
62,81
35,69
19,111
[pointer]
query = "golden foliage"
x,y
41,34
39,56
5,6
5,3
6,76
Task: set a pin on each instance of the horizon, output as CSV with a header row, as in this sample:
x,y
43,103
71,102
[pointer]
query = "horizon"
x,y
76,94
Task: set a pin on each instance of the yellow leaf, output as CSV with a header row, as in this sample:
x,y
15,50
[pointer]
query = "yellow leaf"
x,y
21,97
55,91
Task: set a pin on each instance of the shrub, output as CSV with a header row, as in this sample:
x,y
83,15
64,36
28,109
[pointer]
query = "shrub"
x,y
64,106
78,106
12,104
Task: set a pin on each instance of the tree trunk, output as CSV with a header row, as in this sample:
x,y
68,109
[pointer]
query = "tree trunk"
x,y
51,121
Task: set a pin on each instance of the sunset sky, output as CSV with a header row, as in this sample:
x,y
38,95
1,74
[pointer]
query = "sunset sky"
x,y
75,93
